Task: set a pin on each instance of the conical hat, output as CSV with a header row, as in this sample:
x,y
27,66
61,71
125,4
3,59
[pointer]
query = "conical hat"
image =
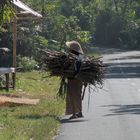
x,y
74,45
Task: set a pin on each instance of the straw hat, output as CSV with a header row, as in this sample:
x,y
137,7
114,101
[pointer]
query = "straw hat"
x,y
75,46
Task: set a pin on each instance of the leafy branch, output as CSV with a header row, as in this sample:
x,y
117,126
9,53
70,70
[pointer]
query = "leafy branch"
x,y
6,11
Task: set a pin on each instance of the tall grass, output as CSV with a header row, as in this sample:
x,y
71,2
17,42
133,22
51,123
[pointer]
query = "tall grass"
x,y
38,122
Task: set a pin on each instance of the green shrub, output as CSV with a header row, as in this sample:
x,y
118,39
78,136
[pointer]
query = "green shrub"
x,y
26,63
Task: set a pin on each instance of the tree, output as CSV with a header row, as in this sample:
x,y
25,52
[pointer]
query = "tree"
x,y
6,11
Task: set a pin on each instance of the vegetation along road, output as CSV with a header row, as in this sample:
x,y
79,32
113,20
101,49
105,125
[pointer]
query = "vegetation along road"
x,y
114,111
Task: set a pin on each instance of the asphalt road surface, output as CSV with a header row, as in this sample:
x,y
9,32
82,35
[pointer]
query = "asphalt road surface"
x,y
111,113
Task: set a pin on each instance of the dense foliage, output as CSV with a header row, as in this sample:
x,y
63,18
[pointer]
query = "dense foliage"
x,y
92,22
6,11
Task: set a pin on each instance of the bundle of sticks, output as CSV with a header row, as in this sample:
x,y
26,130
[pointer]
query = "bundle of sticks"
x,y
62,64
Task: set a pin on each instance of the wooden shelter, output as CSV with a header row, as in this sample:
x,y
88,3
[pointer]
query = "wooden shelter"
x,y
23,12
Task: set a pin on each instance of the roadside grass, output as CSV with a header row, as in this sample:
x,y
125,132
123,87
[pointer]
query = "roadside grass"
x,y
39,122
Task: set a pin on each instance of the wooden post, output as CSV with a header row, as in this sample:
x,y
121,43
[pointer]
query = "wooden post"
x,y
14,41
7,81
14,48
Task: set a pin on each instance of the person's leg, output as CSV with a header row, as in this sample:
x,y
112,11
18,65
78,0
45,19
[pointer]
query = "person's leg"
x,y
79,105
72,101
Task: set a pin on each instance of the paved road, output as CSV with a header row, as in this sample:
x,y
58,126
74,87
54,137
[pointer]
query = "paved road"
x,y
114,111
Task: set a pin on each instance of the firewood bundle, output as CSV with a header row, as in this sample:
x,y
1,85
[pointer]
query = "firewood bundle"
x,y
62,64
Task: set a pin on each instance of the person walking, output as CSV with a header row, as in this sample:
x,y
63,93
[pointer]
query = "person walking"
x,y
74,90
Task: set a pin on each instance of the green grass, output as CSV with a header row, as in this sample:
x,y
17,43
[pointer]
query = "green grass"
x,y
39,122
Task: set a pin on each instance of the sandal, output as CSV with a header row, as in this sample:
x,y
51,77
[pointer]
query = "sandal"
x,y
79,115
73,117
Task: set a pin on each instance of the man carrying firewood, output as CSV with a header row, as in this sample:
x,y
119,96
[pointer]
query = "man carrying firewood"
x,y
75,70
74,88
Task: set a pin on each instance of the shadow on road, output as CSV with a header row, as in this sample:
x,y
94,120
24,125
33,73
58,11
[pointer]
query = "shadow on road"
x,y
121,62
72,121
123,70
123,109
107,50
126,58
